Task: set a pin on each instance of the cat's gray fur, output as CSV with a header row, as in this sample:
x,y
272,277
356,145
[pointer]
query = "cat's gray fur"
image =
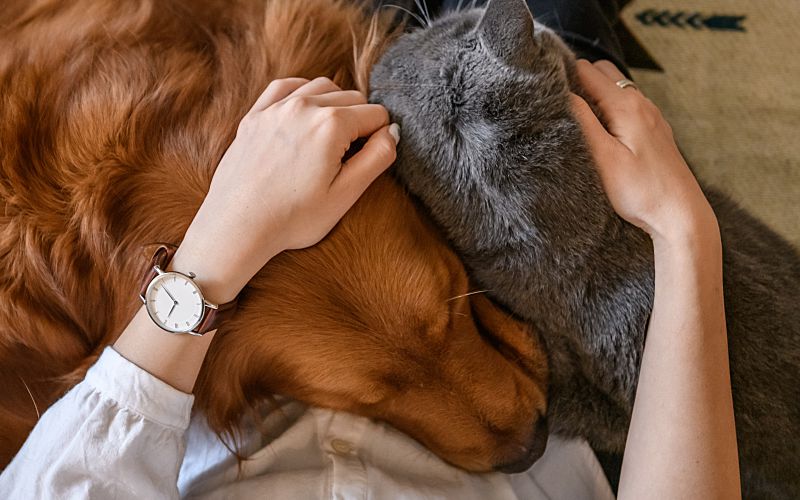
x,y
491,148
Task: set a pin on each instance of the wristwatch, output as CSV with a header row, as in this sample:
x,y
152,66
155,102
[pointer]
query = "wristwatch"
x,y
175,302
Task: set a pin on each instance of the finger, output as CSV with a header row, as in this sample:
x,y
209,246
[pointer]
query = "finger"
x,y
597,85
364,119
340,98
600,141
610,70
358,172
617,108
607,151
317,86
277,90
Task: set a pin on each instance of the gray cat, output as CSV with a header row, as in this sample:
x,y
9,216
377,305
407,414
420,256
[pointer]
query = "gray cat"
x,y
491,148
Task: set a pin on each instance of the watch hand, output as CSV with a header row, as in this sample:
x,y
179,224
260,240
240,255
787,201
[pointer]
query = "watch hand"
x,y
170,295
173,308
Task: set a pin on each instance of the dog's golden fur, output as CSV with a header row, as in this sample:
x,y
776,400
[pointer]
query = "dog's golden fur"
x,y
114,116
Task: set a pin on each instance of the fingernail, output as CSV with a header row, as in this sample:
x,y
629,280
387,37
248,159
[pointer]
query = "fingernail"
x,y
394,130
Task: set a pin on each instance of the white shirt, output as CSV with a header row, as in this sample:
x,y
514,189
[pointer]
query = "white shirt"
x,y
123,433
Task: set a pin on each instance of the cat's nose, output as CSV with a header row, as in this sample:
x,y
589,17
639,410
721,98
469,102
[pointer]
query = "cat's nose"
x,y
507,30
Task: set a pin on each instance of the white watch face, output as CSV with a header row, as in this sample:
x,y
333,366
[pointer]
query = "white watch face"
x,y
174,302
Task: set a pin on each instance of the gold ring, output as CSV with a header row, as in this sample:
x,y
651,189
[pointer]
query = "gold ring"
x,y
624,83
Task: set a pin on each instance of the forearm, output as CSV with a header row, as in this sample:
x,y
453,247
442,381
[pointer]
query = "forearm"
x,y
173,358
280,185
682,439
176,358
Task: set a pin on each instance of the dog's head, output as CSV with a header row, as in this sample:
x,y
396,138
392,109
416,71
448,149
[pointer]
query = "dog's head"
x,y
378,320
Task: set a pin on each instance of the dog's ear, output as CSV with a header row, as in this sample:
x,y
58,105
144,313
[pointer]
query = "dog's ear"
x,y
514,339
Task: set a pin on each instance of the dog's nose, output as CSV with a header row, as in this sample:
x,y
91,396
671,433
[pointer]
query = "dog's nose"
x,y
535,450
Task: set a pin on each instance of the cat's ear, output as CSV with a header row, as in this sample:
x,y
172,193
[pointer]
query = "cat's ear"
x,y
507,30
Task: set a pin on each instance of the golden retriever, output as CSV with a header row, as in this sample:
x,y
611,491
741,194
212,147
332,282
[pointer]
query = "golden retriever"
x,y
114,116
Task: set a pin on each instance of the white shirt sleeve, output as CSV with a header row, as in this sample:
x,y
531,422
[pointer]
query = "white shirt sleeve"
x,y
117,434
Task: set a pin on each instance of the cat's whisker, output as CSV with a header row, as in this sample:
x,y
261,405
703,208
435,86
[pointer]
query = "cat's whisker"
x,y
466,295
35,406
422,7
401,8
464,6
553,14
546,16
427,11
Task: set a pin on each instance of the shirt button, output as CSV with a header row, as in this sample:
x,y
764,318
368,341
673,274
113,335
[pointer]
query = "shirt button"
x,y
341,446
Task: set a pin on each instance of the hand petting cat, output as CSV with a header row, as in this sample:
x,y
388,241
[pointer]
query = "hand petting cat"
x,y
684,388
642,170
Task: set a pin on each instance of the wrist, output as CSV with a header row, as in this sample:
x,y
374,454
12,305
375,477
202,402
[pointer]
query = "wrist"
x,y
683,224
217,280
696,240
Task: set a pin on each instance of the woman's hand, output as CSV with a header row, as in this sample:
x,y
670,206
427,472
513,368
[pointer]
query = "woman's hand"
x,y
282,183
682,437
644,175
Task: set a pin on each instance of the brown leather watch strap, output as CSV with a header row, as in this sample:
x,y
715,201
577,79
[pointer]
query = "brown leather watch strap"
x,y
212,317
161,258
215,317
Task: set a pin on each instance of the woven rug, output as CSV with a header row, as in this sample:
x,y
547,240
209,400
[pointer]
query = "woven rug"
x,y
729,85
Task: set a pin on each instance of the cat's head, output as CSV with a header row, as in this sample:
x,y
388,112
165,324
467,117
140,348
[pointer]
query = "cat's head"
x,y
482,97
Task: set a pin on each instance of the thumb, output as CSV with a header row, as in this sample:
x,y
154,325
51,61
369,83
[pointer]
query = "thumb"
x,y
357,173
600,141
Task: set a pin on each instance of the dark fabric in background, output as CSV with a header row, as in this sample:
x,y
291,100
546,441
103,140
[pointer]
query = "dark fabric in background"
x,y
588,26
